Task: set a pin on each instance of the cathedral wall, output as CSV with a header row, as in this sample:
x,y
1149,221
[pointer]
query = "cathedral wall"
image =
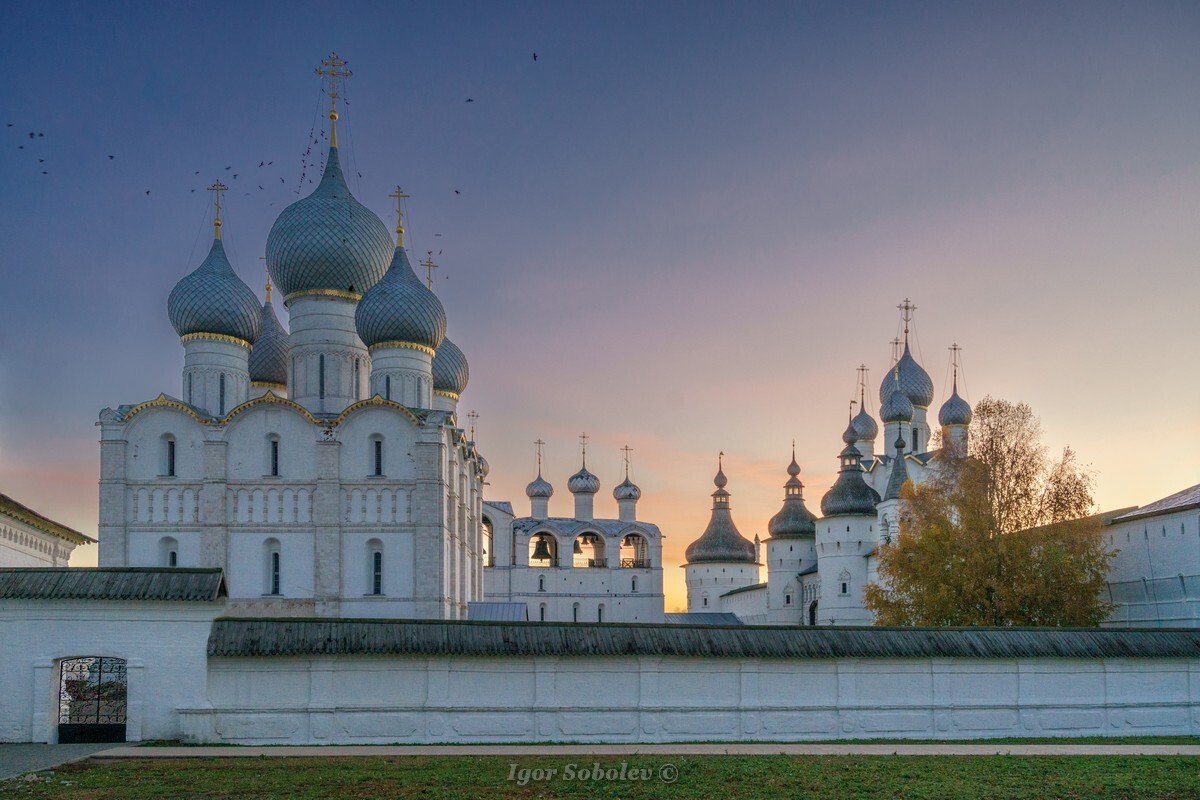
x,y
164,645
1155,577
423,699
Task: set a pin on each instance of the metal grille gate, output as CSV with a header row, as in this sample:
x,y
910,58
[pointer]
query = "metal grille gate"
x,y
92,697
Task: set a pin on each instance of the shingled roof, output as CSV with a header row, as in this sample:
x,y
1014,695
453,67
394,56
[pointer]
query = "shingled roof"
x,y
112,583
1184,500
307,637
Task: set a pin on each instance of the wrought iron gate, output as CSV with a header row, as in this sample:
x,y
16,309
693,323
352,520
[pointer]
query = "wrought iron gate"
x,y
92,697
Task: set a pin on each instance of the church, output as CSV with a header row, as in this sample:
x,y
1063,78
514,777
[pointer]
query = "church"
x,y
295,548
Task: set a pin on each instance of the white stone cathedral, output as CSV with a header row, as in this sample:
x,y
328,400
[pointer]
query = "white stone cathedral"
x,y
817,568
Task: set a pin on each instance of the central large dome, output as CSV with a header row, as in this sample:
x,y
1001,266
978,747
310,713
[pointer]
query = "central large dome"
x,y
328,241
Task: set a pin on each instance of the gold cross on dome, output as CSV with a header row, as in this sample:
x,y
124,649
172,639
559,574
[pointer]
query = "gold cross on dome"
x,y
538,446
333,68
626,450
216,189
429,268
906,314
400,198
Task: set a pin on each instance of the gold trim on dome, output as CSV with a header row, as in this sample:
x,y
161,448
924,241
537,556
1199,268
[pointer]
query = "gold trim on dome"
x,y
268,385
420,348
214,337
444,393
338,293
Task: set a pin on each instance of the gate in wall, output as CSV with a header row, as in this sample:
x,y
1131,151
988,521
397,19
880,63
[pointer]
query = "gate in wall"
x,y
92,700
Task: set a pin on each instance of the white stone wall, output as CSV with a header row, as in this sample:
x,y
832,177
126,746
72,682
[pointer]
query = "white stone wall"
x,y
365,699
164,644
843,543
707,582
25,546
1155,577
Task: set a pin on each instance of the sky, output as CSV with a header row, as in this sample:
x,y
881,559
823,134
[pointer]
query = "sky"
x,y
680,229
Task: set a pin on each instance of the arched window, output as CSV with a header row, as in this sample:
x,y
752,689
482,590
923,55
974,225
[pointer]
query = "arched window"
x,y
273,455
189,388
222,394
812,613
635,552
542,613
168,551
600,613
377,455
321,376
844,578
704,601
375,567
168,449
387,387
633,588
575,613
541,583
357,390
273,563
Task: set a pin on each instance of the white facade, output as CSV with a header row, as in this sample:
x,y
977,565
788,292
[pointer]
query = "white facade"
x,y
28,539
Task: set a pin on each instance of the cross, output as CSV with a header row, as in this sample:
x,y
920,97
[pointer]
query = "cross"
x,y
896,349
216,189
400,198
333,68
626,450
583,440
954,351
474,417
429,268
853,403
906,309
538,445
862,384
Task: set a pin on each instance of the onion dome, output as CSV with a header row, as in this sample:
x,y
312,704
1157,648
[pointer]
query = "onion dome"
x,y
911,379
850,494
328,240
794,519
539,487
721,542
897,408
583,482
212,299
485,468
450,372
899,475
401,309
955,411
269,358
627,490
865,425
850,435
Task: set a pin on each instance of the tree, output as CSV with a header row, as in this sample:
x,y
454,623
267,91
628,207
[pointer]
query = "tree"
x,y
995,536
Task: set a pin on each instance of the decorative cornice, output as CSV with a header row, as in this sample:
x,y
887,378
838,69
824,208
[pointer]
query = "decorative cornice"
x,y
377,400
268,385
214,337
444,393
270,398
335,293
421,348
11,508
162,401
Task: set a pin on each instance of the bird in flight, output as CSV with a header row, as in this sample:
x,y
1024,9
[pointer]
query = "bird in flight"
x,y
469,100
110,158
147,191
457,192
535,56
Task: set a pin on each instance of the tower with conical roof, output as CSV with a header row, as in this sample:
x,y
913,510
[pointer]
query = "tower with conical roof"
x,y
218,321
721,560
791,551
845,539
323,252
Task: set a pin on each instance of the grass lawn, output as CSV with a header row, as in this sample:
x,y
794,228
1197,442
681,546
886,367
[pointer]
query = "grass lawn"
x,y
723,777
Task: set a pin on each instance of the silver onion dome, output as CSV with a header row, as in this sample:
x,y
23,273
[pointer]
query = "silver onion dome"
x,y
269,358
955,411
911,378
485,468
583,482
865,426
328,240
450,373
401,309
213,299
794,519
850,435
897,408
721,541
539,487
850,494
627,490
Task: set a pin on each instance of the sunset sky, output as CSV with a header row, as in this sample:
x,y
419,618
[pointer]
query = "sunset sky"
x,y
680,229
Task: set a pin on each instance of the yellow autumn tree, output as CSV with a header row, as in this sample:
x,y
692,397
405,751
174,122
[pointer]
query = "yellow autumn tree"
x,y
998,535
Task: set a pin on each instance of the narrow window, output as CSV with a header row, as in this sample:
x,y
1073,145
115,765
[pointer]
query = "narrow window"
x,y
378,456
600,613
634,589
274,577
377,572
171,458
357,391
222,393
575,613
189,388
173,558
706,601
845,588
275,458
542,618
916,438
541,583
387,387
787,599
321,376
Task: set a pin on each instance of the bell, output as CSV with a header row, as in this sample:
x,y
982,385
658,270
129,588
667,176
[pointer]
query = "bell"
x,y
627,541
541,551
589,538
577,549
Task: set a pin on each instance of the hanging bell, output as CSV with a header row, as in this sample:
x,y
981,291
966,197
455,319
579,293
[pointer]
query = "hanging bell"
x,y
627,541
577,549
541,551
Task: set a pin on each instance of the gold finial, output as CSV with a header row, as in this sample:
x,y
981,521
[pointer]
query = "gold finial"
x,y
429,268
538,445
400,198
906,309
216,189
626,450
333,68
